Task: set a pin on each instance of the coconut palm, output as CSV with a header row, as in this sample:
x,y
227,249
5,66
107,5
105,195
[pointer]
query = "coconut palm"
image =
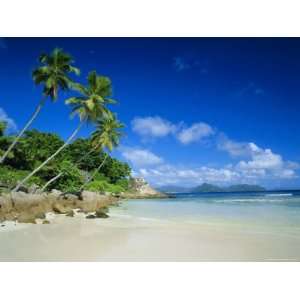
x,y
90,106
106,137
53,74
96,94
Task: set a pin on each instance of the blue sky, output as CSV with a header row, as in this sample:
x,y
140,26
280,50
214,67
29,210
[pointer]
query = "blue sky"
x,y
196,110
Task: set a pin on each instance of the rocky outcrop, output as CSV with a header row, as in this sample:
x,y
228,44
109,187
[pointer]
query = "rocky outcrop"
x,y
26,208
140,189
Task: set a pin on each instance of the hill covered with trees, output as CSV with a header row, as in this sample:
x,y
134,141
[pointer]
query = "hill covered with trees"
x,y
76,162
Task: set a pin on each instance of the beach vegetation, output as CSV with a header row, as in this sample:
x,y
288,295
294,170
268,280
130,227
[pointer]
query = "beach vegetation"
x,y
44,159
54,75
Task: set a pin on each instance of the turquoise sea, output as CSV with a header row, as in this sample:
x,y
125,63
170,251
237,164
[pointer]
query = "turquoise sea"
x,y
268,212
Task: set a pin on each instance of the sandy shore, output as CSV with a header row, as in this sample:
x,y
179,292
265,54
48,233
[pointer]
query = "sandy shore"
x,y
124,238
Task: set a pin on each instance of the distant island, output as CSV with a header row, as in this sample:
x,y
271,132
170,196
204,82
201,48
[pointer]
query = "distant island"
x,y
210,188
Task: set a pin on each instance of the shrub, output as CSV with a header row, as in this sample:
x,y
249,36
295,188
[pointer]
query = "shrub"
x,y
98,186
71,180
104,186
10,177
124,183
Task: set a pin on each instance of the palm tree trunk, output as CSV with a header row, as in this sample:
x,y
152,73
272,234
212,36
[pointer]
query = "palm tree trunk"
x,y
50,158
36,112
61,173
51,180
94,174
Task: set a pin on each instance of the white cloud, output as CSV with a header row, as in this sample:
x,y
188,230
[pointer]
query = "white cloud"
x,y
260,163
11,125
195,133
255,165
140,157
152,127
263,159
157,127
232,147
165,174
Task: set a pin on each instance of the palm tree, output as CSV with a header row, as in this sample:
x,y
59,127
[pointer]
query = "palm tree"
x,y
53,75
106,136
89,107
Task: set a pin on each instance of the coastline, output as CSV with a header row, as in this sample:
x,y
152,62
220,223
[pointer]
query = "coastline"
x,y
162,230
127,238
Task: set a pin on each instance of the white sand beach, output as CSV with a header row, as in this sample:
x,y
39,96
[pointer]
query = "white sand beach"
x,y
127,238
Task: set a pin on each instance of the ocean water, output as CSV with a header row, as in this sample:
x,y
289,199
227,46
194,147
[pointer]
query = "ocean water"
x,y
268,212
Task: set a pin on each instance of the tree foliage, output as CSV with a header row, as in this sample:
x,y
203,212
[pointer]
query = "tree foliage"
x,y
77,160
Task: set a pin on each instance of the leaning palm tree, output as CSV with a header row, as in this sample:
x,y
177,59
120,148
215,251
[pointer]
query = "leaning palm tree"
x,y
89,107
106,136
53,74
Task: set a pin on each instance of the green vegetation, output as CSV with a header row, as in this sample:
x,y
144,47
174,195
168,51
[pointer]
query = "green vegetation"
x,y
106,136
54,75
34,146
44,159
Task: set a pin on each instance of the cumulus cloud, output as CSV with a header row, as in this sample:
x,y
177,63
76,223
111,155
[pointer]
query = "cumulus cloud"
x,y
195,133
157,127
261,162
166,174
11,125
140,157
252,163
235,148
258,165
152,126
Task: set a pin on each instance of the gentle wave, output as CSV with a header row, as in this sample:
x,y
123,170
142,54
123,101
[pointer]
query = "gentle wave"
x,y
250,201
279,195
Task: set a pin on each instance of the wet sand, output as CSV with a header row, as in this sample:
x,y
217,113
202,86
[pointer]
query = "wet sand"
x,y
124,238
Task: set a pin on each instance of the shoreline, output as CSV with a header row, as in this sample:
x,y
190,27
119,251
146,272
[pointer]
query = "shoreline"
x,y
124,237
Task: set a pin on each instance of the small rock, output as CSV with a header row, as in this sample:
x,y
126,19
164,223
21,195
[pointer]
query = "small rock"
x,y
70,213
91,217
59,208
40,215
104,209
55,193
46,222
101,213
70,196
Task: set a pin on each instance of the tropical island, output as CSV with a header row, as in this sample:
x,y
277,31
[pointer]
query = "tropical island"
x,y
77,190
212,188
40,172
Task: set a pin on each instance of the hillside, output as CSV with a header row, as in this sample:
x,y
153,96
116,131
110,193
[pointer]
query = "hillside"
x,y
211,188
